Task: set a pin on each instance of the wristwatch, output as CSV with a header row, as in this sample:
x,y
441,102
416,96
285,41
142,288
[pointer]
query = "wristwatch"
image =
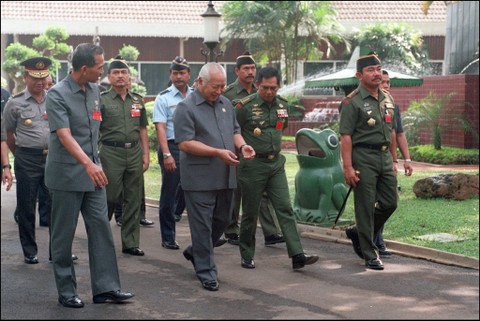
x,y
166,155
7,166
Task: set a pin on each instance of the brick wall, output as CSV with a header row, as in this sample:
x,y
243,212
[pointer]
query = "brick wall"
x,y
465,100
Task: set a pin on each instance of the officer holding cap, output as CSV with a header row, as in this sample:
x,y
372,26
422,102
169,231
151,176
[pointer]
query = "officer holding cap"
x,y
366,126
172,201
124,151
26,122
243,86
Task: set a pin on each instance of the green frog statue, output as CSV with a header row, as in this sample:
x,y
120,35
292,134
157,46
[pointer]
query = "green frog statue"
x,y
319,183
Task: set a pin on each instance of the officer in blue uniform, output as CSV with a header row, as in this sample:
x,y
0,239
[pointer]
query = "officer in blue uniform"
x,y
172,201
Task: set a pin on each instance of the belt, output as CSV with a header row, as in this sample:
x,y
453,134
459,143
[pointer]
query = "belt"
x,y
117,144
267,156
381,148
171,141
32,151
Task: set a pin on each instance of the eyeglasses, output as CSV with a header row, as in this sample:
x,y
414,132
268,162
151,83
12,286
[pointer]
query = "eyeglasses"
x,y
267,88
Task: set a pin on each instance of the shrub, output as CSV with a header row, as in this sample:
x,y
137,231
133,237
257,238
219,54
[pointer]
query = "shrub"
x,y
445,156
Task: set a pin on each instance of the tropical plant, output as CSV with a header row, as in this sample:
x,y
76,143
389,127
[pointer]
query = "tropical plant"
x,y
283,31
428,112
50,44
398,45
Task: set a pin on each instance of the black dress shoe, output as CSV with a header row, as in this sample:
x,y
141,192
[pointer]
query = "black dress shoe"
x,y
171,245
72,302
146,222
248,263
300,260
189,257
233,239
32,259
134,251
210,285
274,239
374,264
384,252
119,223
220,242
114,296
177,218
352,235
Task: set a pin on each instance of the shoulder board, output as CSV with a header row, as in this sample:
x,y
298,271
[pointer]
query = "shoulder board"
x,y
104,92
352,94
282,98
246,99
136,94
165,91
18,95
229,87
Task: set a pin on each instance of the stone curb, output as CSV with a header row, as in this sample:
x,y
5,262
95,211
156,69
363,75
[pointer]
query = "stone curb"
x,y
418,252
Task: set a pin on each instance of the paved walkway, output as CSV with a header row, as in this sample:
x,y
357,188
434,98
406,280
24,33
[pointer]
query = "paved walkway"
x,y
337,287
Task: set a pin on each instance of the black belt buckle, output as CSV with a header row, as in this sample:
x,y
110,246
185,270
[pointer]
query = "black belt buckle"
x,y
128,145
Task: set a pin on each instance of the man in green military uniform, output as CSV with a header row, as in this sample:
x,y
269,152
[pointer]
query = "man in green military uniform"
x,y
243,86
366,128
124,151
262,117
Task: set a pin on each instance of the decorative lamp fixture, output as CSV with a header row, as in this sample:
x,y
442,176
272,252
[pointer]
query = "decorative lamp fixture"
x,y
211,21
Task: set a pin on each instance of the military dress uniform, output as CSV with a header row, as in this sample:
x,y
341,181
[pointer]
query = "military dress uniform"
x,y
28,119
121,157
262,125
235,92
369,122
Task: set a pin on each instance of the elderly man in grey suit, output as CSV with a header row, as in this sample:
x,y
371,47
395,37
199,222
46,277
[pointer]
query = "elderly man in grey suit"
x,y
77,182
210,145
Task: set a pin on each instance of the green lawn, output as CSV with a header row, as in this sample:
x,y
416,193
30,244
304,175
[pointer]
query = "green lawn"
x,y
414,217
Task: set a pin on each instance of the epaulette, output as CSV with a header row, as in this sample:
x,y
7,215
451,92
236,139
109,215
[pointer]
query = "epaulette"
x,y
247,99
137,94
164,92
352,94
18,95
228,88
103,92
282,98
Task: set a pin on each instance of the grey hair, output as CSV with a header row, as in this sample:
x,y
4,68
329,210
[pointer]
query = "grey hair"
x,y
208,68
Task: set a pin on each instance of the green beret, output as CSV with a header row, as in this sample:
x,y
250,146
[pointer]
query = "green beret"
x,y
179,63
369,60
117,63
245,59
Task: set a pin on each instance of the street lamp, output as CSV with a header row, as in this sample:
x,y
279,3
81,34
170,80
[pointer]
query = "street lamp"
x,y
211,20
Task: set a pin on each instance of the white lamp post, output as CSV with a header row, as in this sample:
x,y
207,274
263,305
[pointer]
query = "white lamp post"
x,y
211,21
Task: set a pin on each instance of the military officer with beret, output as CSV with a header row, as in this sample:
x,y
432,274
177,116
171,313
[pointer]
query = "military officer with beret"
x,y
124,151
366,128
243,86
28,132
262,117
172,201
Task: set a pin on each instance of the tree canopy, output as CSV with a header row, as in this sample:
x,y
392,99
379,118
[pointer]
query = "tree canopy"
x,y
283,31
398,45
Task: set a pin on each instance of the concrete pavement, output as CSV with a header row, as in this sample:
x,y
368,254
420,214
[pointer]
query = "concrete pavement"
x,y
337,287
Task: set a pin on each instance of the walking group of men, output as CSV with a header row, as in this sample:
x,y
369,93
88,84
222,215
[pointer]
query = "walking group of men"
x,y
219,147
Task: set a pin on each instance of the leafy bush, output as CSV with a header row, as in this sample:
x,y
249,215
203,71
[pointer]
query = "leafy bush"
x,y
445,156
